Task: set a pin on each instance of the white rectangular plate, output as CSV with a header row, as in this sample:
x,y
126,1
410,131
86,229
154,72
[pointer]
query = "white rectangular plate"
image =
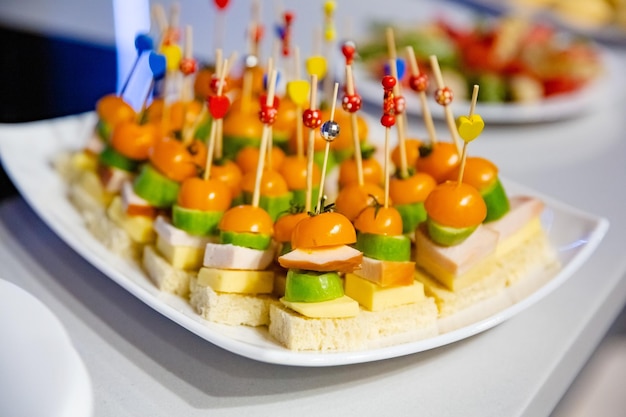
x,y
28,149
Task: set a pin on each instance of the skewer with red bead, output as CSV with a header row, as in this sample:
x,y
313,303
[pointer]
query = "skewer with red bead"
x,y
351,103
388,120
418,82
444,97
267,116
312,119
329,131
218,105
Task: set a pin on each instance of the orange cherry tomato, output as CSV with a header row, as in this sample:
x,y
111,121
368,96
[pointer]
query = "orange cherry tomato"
x,y
413,189
272,183
202,83
284,225
176,161
372,171
246,218
294,170
180,113
456,204
442,159
248,158
412,149
379,220
206,195
478,172
133,140
243,124
353,198
229,173
325,229
113,109
286,124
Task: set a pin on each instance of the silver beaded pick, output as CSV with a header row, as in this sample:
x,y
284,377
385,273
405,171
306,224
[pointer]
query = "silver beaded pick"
x,y
330,130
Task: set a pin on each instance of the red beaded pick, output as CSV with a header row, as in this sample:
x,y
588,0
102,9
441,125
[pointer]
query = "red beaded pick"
x,y
267,114
171,36
388,120
418,82
348,50
188,66
286,34
389,103
389,82
312,118
215,84
399,105
218,106
351,103
263,101
444,96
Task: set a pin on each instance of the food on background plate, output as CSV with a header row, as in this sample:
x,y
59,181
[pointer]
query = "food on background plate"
x,y
514,60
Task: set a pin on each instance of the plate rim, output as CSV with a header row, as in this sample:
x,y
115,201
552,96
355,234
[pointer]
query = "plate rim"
x,y
173,307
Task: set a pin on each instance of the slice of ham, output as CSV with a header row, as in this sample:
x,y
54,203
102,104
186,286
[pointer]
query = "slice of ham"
x,y
523,209
341,258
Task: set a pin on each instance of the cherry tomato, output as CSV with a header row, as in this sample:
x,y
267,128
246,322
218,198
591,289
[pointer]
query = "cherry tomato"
x,y
456,205
443,157
294,170
206,195
272,183
284,225
413,189
323,230
372,171
246,218
353,198
133,140
379,220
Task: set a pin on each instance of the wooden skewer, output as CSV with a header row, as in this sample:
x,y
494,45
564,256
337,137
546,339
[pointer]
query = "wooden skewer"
x,y
465,142
326,152
448,111
428,118
214,128
311,148
267,131
354,124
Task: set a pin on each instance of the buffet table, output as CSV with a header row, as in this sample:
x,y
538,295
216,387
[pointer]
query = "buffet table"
x,y
140,363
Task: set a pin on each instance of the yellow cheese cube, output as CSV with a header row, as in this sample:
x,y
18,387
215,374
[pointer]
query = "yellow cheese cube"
x,y
341,307
237,280
139,228
518,238
181,257
84,161
376,298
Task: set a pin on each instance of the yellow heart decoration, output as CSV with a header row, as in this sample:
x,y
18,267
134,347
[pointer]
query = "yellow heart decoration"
x,y
316,65
173,54
470,127
298,91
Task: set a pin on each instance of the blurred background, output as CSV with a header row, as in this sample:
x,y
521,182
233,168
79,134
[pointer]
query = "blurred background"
x,y
47,72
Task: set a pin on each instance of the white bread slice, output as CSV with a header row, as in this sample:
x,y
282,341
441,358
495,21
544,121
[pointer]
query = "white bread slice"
x,y
111,235
86,193
230,308
341,258
229,256
164,275
300,333
367,330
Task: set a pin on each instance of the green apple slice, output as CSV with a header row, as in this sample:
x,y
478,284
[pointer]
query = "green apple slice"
x,y
196,222
112,158
312,287
247,240
445,235
496,200
384,248
412,215
274,205
155,188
